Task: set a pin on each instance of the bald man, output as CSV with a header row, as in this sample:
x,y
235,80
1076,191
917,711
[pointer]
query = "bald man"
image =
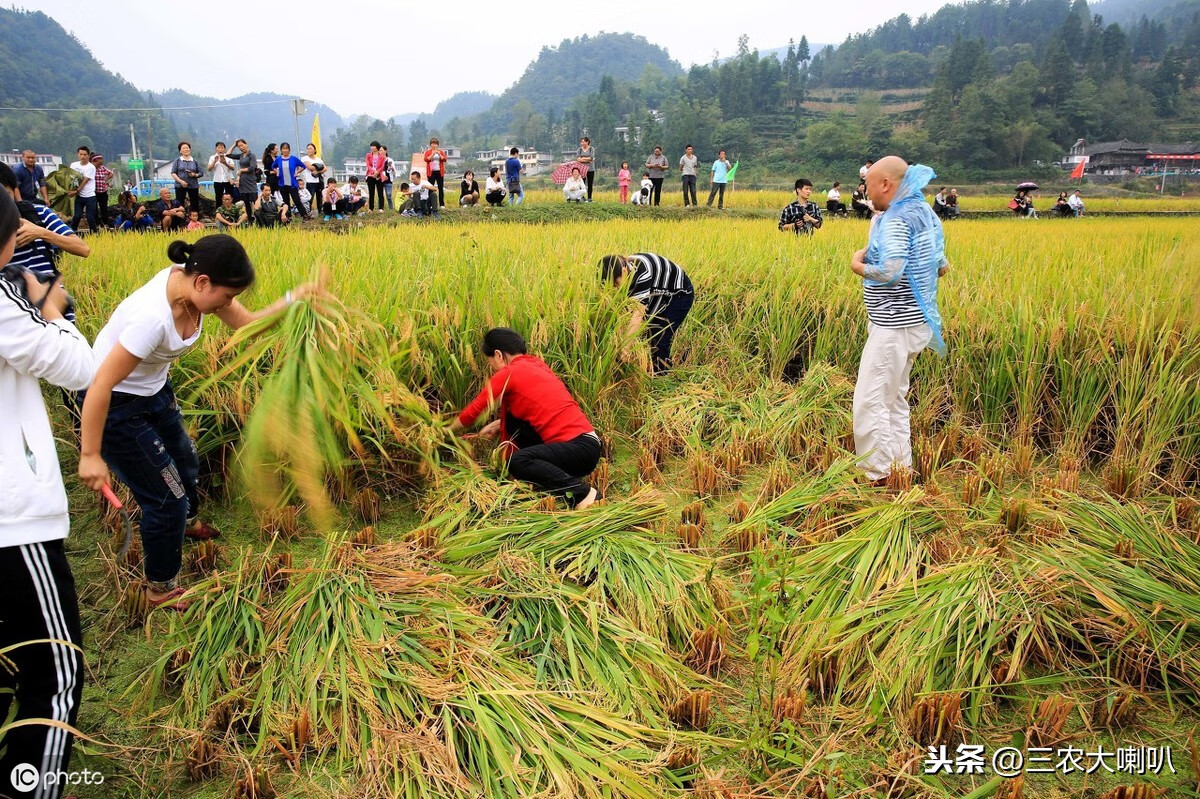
x,y
900,266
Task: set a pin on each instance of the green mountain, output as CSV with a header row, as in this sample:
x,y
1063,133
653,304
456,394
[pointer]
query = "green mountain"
x,y
261,118
574,68
45,67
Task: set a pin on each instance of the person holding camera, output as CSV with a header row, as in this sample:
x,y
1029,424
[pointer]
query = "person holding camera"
x,y
223,172
42,235
187,171
39,618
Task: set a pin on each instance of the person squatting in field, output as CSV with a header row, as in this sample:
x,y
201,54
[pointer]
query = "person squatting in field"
x,y
900,266
664,293
131,422
544,435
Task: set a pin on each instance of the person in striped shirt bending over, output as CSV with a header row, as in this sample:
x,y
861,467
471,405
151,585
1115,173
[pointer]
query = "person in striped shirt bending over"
x,y
664,291
900,266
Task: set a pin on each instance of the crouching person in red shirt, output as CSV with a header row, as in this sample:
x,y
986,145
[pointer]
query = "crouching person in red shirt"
x,y
545,436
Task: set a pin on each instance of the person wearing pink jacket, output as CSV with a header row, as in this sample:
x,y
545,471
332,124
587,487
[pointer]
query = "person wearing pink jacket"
x,y
376,166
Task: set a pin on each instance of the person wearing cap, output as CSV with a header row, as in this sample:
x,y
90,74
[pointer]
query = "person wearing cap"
x,y
104,177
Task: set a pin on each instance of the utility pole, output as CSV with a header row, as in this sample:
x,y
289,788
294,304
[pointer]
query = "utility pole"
x,y
150,147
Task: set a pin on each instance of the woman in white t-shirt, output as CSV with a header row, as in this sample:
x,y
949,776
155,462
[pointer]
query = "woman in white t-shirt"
x,y
494,188
131,422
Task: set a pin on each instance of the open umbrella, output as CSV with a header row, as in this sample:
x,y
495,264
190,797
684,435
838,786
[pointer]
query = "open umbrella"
x,y
1028,185
563,172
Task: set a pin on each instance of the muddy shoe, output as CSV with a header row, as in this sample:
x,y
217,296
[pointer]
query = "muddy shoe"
x,y
201,531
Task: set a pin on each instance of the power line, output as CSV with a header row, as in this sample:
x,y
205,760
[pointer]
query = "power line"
x,y
143,110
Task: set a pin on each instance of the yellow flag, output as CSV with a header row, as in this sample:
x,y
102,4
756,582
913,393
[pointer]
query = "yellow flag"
x,y
316,133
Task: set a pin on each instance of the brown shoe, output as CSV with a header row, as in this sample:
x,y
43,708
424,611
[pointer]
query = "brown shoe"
x,y
201,531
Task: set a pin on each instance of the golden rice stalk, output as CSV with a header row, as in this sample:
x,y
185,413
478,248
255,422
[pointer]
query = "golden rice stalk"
x,y
368,506
1022,456
277,573
692,712
708,650
548,504
1124,550
1014,514
682,758
1049,721
689,536
203,761
899,479
364,538
779,479
601,477
647,466
256,784
1115,710
693,513
936,719
703,474
747,537
972,483
206,557
789,706
738,511
426,538
283,522
1141,791
897,779
1194,755
1123,478
716,786
994,469
300,736
135,603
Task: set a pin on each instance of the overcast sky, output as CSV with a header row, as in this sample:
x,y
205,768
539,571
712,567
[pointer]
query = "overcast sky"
x,y
369,57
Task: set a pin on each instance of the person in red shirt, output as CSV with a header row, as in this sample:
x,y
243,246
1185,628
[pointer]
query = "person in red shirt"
x,y
545,436
376,163
435,164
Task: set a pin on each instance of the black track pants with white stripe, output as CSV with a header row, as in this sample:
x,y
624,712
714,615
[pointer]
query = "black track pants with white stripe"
x,y
38,602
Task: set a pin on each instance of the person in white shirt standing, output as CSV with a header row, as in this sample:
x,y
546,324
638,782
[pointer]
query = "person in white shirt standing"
x,y
39,617
85,195
131,422
223,171
314,178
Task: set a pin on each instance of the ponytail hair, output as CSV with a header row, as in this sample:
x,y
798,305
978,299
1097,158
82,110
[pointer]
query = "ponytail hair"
x,y
221,258
504,339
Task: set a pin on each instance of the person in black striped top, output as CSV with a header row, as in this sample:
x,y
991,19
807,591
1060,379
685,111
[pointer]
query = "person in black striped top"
x,y
900,266
664,291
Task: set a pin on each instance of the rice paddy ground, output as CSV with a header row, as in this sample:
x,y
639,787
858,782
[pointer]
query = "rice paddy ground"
x,y
743,617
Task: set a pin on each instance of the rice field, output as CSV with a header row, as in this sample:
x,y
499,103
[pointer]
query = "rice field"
x,y
1098,199
744,616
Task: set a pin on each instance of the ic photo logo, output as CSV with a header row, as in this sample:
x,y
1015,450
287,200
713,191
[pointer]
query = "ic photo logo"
x,y
26,779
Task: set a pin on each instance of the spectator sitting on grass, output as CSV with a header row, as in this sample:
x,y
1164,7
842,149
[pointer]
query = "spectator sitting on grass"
x,y
575,189
355,196
230,214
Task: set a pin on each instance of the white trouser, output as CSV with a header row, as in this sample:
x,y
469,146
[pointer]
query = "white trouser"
x,y
881,432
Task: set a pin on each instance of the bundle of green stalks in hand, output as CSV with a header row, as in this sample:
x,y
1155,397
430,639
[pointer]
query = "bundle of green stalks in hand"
x,y
322,379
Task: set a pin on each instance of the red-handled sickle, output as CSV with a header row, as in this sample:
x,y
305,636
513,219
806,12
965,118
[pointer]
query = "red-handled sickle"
x,y
107,491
